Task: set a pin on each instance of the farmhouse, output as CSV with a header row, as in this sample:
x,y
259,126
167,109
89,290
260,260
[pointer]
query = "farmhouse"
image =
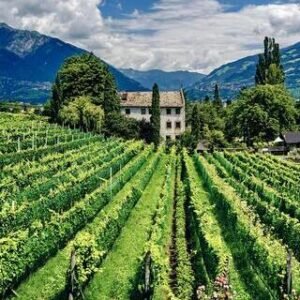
x,y
137,105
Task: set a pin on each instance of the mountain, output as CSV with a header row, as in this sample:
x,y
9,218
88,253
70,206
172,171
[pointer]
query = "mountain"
x,y
236,75
166,80
29,62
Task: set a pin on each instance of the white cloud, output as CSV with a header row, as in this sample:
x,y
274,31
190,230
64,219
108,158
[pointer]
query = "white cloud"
x,y
200,35
76,21
175,34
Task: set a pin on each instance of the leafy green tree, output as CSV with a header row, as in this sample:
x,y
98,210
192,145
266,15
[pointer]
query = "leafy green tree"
x,y
121,126
211,116
84,75
217,138
187,141
82,113
208,123
155,115
214,137
269,69
260,113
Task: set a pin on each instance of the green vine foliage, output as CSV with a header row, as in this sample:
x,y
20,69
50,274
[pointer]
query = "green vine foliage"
x,y
12,158
28,253
281,224
267,254
40,201
157,246
86,256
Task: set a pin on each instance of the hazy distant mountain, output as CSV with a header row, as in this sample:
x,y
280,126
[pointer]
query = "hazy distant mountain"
x,y
165,80
233,76
29,62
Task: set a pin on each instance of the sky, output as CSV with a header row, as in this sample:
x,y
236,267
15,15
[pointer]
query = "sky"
x,y
194,35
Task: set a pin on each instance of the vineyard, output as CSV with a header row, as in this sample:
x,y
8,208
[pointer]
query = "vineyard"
x,y
88,217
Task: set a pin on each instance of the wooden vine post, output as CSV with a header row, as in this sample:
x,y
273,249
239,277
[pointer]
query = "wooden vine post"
x,y
74,289
72,276
286,290
147,284
289,274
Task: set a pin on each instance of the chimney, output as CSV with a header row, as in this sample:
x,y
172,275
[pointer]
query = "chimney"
x,y
124,96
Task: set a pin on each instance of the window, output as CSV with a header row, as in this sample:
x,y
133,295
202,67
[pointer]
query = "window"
x,y
169,111
127,111
178,125
150,110
169,125
178,111
168,137
143,111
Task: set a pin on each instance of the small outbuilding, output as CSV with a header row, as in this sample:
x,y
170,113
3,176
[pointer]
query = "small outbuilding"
x,y
291,139
284,143
202,147
276,150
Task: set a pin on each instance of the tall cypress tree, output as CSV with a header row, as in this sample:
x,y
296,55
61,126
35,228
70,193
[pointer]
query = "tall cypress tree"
x,y
155,116
269,69
196,124
57,99
206,99
217,99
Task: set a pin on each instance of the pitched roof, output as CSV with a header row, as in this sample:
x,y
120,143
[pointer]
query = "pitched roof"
x,y
278,140
202,146
291,137
144,99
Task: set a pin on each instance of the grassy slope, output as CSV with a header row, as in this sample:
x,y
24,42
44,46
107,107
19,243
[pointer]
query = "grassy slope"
x,y
118,274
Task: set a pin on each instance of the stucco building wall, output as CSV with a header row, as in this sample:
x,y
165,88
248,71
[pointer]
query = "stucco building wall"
x,y
168,117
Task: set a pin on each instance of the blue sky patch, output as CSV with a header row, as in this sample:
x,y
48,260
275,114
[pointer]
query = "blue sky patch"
x,y
235,5
120,9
